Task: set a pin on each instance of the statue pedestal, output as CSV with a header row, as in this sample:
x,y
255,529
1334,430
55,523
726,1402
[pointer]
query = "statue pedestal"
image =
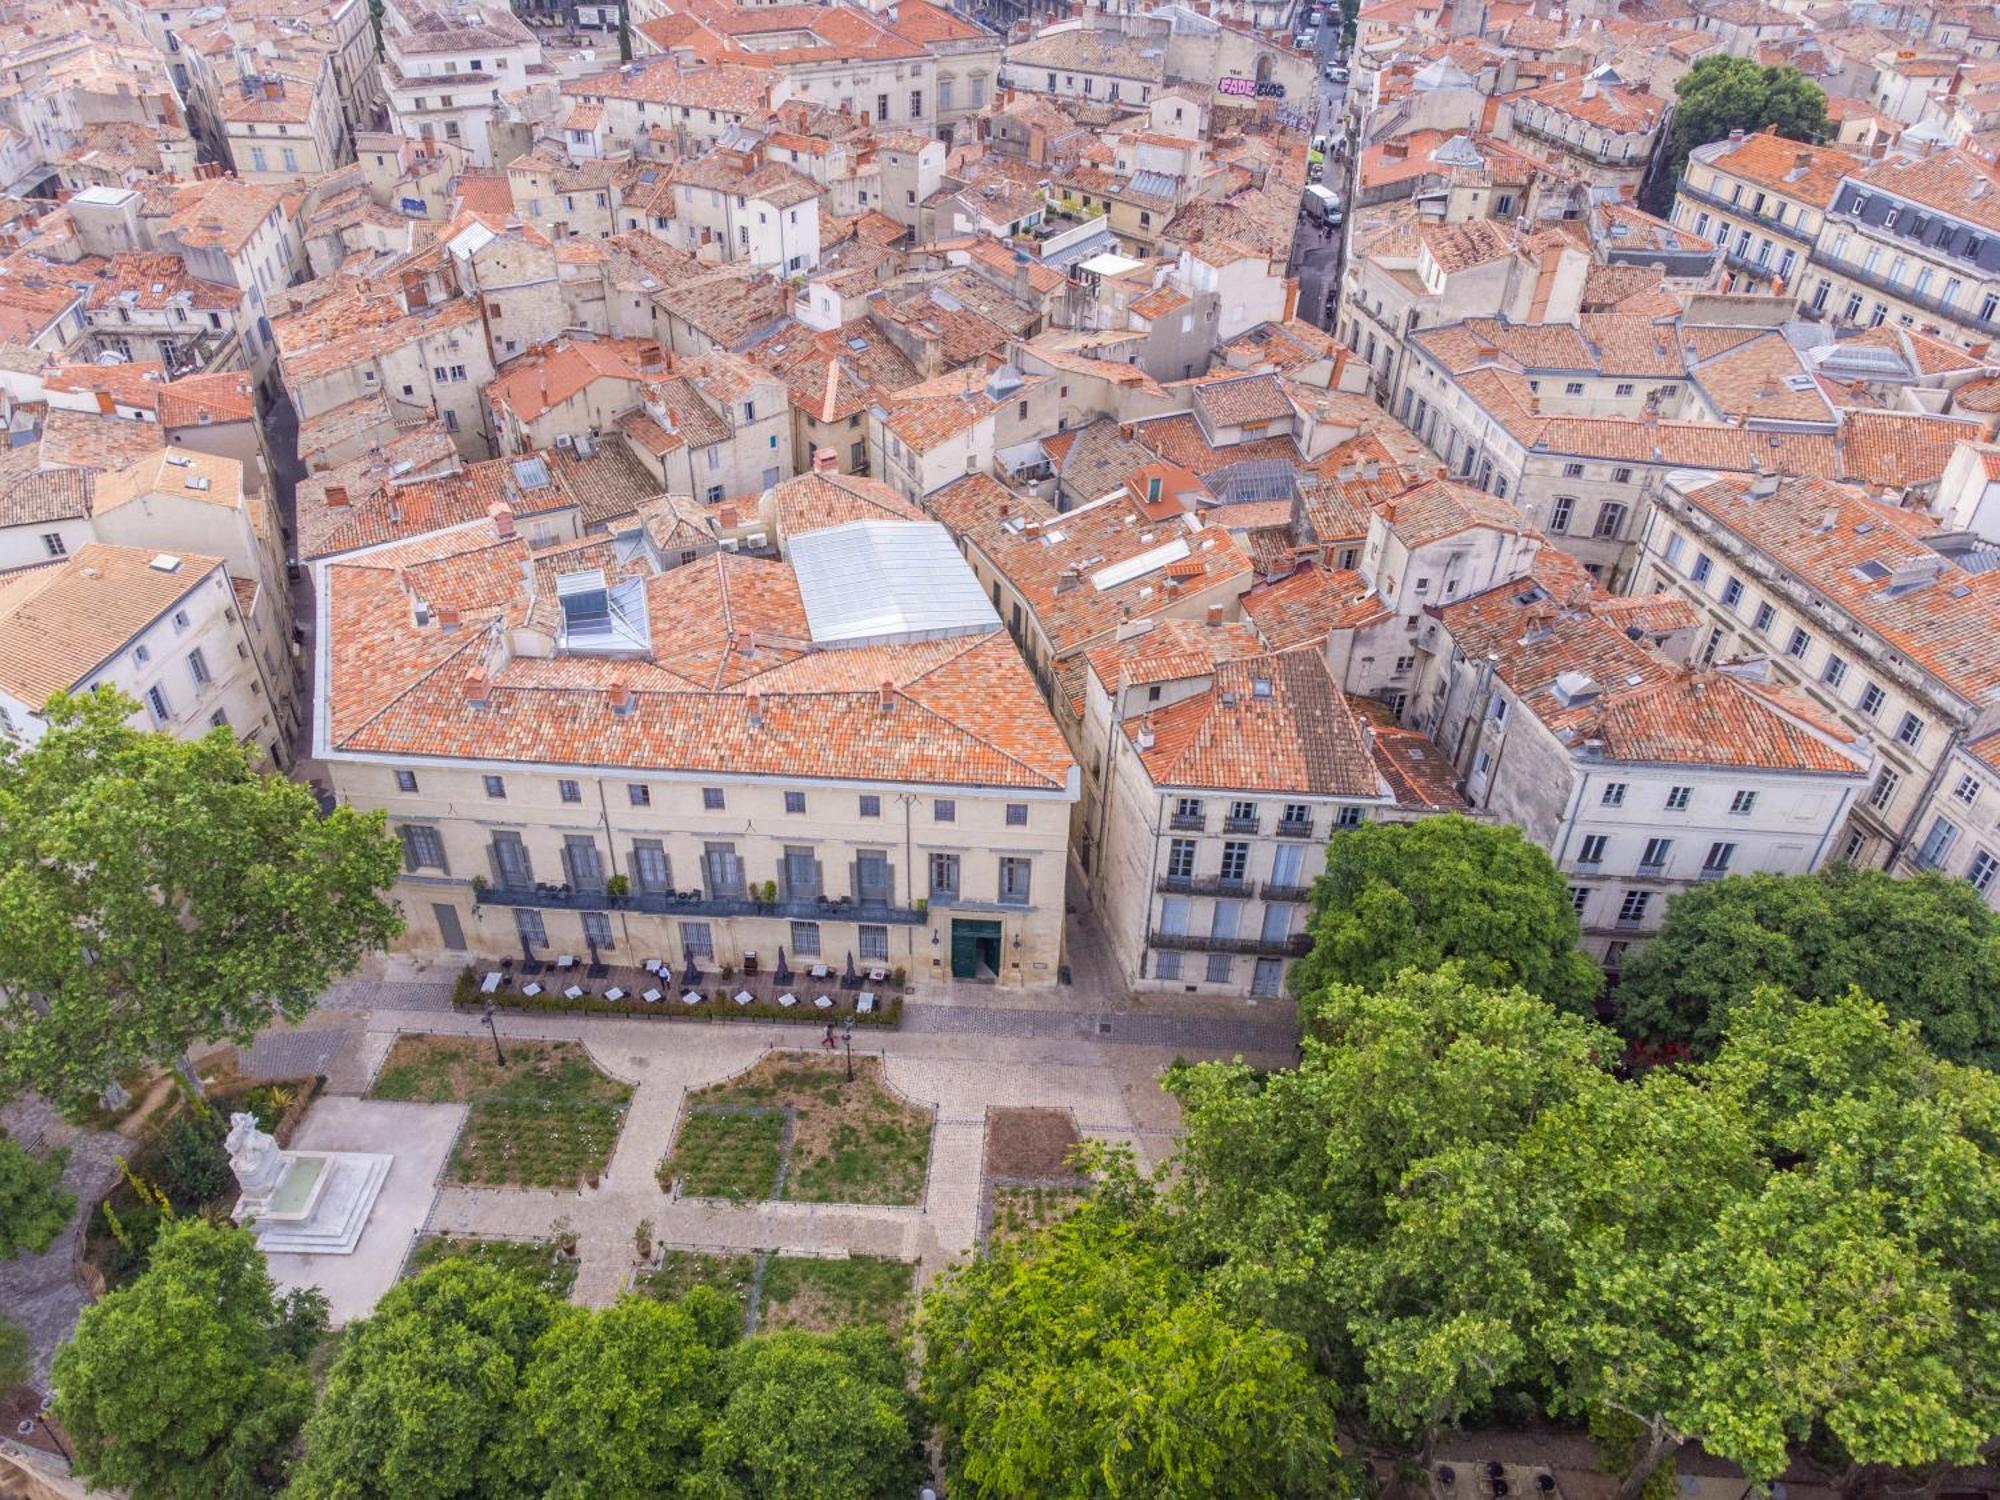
x,y
320,1205
305,1202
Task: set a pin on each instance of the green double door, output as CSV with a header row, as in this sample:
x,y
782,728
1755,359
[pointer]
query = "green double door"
x,y
975,949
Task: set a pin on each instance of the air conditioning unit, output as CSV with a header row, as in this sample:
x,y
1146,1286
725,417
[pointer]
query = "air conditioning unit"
x,y
565,442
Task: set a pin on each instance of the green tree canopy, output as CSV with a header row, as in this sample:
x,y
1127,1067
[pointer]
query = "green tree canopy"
x,y
33,1205
1785,1244
1721,93
156,891
812,1416
614,1404
1090,1363
1290,1182
1927,948
422,1397
1401,896
173,1387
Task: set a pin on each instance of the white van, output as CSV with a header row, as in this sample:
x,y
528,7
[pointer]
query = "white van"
x,y
1322,204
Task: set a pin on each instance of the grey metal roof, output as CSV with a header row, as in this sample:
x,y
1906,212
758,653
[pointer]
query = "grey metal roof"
x,y
1253,479
871,583
1158,184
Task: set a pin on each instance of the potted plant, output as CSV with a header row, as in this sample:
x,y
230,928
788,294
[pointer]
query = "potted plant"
x,y
923,903
618,887
900,976
728,970
770,891
642,1242
478,884
564,1234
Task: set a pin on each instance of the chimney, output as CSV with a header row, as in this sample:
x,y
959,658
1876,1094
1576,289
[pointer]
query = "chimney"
x,y
825,461
1735,135
623,700
478,688
447,620
1214,615
756,710
1803,161
336,495
1031,528
503,519
888,698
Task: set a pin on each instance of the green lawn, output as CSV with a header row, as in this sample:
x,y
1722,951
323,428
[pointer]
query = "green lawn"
x,y
879,1158
682,1270
544,1120
820,1294
797,1291
1020,1211
851,1142
726,1155
533,1260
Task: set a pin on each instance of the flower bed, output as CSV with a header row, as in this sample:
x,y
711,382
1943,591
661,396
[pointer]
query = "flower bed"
x,y
850,1142
545,1119
534,1261
715,1005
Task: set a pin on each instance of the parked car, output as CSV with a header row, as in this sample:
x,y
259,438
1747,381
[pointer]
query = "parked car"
x,y
1337,74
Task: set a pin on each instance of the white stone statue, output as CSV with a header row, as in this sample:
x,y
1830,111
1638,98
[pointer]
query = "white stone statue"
x,y
253,1156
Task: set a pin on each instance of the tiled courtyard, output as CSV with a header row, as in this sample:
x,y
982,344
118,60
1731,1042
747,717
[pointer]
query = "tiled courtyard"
x,y
952,1060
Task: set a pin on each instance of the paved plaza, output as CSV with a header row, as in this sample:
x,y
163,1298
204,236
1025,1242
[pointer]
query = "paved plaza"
x,y
956,1060
960,1051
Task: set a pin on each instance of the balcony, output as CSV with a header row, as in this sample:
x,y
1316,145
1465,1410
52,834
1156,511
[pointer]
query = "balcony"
x,y
700,904
1604,156
1296,946
1272,892
1294,828
1964,316
1742,214
1204,885
1239,825
1654,871
1188,823
1761,269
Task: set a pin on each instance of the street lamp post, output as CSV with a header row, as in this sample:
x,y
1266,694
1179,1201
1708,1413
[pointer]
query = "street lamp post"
x,y
42,1416
847,1032
487,1016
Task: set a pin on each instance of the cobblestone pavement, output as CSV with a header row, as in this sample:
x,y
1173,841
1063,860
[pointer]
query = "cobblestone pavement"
x,y
40,1292
961,1050
957,1060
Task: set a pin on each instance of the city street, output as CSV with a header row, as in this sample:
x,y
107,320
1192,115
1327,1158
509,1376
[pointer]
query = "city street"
x,y
1316,248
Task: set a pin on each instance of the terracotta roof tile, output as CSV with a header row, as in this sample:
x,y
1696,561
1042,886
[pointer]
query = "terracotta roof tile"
x,y
963,711
1275,723
59,624
1953,636
1312,603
